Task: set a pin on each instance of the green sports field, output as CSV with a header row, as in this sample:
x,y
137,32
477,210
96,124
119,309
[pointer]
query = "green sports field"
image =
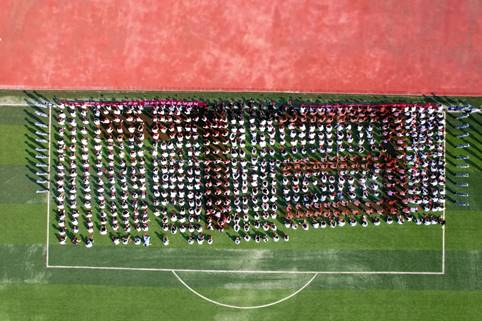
x,y
446,283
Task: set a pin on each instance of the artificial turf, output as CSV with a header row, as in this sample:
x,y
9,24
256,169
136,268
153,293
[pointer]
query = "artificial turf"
x,y
29,291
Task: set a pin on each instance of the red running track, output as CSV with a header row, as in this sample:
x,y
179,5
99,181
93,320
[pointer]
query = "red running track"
x,y
355,46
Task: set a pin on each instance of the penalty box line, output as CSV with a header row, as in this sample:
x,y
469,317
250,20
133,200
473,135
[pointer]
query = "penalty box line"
x,y
48,187
114,268
445,189
47,265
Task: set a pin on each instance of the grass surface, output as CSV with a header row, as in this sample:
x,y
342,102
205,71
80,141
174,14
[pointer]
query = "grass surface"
x,y
29,291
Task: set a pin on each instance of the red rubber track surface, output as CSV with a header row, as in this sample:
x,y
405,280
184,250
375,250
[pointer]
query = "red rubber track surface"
x,y
364,46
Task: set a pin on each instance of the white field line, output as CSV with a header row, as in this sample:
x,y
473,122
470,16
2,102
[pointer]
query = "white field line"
x,y
244,307
17,104
48,188
443,249
445,191
242,271
445,161
13,104
229,271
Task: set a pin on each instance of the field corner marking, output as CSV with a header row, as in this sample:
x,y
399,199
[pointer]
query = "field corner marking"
x,y
243,307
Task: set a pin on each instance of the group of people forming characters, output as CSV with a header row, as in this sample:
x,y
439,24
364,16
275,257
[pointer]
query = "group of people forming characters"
x,y
248,166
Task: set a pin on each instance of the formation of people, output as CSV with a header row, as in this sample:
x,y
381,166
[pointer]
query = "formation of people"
x,y
253,170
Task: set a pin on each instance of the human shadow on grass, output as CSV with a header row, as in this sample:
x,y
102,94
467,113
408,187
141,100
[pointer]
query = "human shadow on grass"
x,y
450,189
42,97
57,230
450,144
450,161
31,166
451,155
185,236
36,153
32,174
36,142
37,132
35,165
475,151
96,222
444,100
474,135
476,120
32,145
38,107
451,176
232,237
32,119
474,164
83,238
34,98
475,142
36,181
450,198
159,235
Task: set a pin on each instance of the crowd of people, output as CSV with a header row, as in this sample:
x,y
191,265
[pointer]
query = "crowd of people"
x,y
249,169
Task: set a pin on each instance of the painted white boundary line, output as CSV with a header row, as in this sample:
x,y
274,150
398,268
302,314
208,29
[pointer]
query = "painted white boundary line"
x,y
443,249
243,271
445,189
244,307
14,105
227,271
48,188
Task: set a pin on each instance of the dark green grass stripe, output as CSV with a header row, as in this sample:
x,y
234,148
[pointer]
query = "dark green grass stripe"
x,y
18,185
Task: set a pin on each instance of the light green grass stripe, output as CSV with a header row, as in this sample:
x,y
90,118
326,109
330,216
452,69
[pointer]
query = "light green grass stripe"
x,y
50,302
12,144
